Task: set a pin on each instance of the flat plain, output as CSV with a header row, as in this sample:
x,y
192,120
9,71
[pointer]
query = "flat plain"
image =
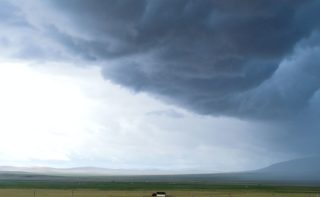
x,y
32,185
128,193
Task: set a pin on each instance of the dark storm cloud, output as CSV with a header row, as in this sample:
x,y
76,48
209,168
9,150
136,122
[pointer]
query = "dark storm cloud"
x,y
252,59
236,58
210,56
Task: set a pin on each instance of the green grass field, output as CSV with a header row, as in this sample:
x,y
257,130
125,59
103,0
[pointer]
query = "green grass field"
x,y
144,193
33,185
144,189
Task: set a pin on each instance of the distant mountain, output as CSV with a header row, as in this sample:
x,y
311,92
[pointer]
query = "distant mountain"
x,y
61,171
303,169
91,171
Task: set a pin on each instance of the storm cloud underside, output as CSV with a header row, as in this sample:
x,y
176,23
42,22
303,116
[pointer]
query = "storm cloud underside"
x,y
212,57
254,60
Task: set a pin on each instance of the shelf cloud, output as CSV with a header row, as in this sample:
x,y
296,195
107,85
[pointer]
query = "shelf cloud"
x,y
252,60
213,57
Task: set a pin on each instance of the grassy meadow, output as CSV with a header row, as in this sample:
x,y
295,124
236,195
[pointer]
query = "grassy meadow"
x,y
172,193
30,185
141,189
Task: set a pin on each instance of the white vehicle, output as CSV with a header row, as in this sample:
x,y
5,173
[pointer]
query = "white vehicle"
x,y
159,194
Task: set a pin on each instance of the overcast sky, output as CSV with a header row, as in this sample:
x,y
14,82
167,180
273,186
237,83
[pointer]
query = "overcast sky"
x,y
202,85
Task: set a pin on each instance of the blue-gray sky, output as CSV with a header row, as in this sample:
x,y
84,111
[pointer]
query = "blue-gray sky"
x,y
228,85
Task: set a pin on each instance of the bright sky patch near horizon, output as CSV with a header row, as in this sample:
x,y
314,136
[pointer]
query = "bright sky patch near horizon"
x,y
59,117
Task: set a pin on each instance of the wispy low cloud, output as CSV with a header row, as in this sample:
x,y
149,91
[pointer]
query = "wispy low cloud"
x,y
170,112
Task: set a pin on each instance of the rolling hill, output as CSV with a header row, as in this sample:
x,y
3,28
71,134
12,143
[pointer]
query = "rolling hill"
x,y
304,171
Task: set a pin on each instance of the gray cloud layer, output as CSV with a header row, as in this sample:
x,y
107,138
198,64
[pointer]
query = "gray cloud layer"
x,y
251,59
